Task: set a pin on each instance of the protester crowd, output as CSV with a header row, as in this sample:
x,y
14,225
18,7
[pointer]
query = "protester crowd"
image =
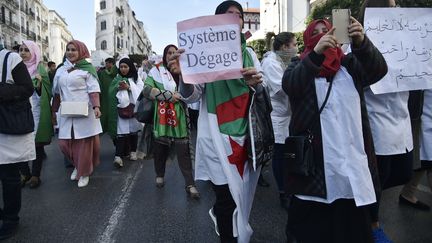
x,y
360,143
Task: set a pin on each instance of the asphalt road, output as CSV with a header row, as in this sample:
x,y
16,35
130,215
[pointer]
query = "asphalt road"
x,y
125,206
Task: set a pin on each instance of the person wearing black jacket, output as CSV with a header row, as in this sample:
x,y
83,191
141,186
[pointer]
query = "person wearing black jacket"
x,y
15,87
329,204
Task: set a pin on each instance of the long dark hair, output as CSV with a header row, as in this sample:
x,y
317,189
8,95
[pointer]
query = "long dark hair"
x,y
279,40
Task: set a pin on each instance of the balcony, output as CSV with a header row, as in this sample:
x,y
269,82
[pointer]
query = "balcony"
x,y
15,26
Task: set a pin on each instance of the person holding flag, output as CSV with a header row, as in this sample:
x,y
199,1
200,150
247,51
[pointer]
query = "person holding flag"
x,y
223,127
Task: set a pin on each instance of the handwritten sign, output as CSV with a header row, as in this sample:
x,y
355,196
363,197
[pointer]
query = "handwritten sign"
x,y
212,48
404,37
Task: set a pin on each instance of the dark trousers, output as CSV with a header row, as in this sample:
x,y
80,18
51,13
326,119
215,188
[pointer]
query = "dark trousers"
x,y
223,209
339,222
11,184
36,164
161,152
126,144
277,165
393,170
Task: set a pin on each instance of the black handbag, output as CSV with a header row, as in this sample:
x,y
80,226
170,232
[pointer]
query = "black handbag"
x,y
298,150
126,112
16,117
144,110
262,128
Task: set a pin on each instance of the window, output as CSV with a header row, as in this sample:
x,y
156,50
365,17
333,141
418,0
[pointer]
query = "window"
x,y
118,42
104,45
102,4
3,17
103,25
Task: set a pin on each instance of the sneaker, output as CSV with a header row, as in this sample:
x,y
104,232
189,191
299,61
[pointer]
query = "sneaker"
x,y
118,162
35,182
193,192
133,156
83,181
140,155
160,182
213,217
8,229
379,236
74,175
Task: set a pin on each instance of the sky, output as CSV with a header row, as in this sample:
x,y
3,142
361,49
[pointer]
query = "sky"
x,y
159,17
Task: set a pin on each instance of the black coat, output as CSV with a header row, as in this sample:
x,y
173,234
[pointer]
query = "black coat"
x,y
366,65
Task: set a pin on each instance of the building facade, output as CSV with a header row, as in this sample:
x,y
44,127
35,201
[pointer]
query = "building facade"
x,y
59,36
284,15
251,19
118,32
29,20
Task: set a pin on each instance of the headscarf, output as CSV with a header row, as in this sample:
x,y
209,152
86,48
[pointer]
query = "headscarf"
x,y
333,56
132,69
35,52
165,61
224,6
83,53
81,48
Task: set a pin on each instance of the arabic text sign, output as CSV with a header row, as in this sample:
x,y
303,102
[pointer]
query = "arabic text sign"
x,y
404,37
212,48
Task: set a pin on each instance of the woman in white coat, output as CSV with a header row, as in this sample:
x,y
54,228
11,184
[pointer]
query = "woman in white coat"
x,y
273,65
123,93
77,81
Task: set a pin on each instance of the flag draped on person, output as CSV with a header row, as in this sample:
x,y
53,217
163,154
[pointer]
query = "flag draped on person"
x,y
227,119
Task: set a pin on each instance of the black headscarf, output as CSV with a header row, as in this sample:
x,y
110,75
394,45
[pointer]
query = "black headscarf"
x,y
224,6
132,69
165,61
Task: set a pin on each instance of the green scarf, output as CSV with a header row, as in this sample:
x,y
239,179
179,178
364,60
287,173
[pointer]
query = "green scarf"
x,y
44,128
229,100
112,113
167,124
86,66
105,79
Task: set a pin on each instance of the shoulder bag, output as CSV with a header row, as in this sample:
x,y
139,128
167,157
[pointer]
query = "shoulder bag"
x,y
16,117
298,150
144,110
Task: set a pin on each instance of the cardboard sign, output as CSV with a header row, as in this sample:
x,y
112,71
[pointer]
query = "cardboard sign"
x,y
404,37
212,48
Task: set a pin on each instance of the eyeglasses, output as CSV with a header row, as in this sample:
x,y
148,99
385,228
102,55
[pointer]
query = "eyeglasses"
x,y
24,50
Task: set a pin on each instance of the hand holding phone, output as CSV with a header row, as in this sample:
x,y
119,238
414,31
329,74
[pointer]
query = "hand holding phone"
x,y
341,21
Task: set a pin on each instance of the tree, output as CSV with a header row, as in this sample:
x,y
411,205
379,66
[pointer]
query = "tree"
x,y
259,46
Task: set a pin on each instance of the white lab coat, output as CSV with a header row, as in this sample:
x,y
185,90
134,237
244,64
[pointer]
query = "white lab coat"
x,y
390,122
129,125
346,168
281,114
76,86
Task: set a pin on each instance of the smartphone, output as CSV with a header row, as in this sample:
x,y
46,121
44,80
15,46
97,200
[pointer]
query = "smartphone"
x,y
341,21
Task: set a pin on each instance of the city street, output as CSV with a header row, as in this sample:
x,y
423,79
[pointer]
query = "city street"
x,y
125,206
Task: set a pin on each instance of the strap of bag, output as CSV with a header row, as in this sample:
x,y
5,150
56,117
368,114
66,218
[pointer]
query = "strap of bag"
x,y
315,122
4,70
